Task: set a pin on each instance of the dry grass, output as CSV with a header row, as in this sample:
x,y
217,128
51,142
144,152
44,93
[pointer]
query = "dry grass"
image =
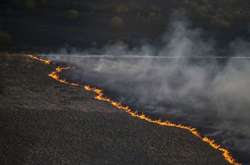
x,y
43,122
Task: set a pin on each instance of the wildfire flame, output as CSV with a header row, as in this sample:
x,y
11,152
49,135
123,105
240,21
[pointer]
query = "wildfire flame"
x,y
99,95
45,61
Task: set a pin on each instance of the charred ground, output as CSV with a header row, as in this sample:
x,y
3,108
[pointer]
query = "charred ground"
x,y
44,122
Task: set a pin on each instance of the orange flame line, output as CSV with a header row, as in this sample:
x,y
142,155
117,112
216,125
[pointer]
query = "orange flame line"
x,y
99,95
45,61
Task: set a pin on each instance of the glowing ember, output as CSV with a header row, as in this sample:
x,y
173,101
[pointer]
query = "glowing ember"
x,y
45,61
99,95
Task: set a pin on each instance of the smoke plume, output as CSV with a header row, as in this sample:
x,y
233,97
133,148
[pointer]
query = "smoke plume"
x,y
186,78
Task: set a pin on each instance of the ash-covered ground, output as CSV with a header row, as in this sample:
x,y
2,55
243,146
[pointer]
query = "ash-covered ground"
x,y
44,122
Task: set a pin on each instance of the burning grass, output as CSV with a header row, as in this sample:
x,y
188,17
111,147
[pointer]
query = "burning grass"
x,y
99,95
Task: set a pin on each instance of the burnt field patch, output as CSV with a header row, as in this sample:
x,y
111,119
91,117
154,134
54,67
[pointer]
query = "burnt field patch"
x,y
44,122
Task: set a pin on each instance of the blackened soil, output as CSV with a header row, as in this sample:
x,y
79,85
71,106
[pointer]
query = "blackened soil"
x,y
43,122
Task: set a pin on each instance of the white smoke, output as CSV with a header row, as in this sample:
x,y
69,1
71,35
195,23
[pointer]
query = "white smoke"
x,y
184,78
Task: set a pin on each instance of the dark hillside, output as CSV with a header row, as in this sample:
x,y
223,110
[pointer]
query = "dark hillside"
x,y
44,122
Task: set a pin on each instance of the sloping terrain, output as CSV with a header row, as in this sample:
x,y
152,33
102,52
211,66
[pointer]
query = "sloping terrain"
x,y
44,122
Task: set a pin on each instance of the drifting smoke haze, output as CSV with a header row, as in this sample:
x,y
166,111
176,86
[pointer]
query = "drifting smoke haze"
x,y
184,80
